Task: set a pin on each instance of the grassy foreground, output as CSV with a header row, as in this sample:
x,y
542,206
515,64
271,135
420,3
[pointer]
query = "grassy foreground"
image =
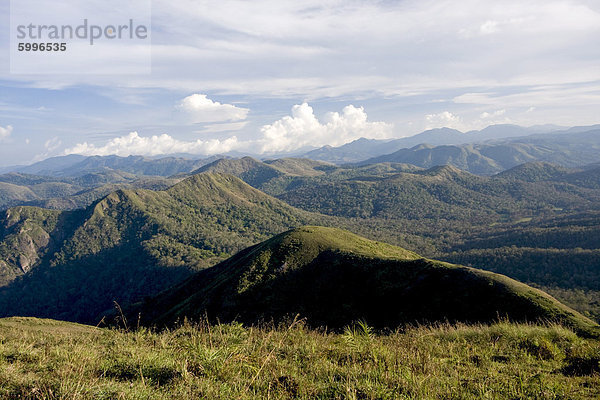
x,y
44,359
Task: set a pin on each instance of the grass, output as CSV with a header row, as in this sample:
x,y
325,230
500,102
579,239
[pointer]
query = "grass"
x,y
522,220
41,359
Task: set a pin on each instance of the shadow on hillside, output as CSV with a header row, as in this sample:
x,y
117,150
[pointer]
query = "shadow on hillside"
x,y
85,288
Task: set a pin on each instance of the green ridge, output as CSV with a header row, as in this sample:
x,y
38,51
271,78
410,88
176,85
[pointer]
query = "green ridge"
x,y
333,277
132,244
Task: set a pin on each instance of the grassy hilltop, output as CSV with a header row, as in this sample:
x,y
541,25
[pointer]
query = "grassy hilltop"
x,y
333,277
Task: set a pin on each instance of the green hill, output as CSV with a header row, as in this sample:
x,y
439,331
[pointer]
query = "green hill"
x,y
333,277
272,176
533,223
251,171
301,166
130,244
441,193
69,193
25,235
535,172
11,194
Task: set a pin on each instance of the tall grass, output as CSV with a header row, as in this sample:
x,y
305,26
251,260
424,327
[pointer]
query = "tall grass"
x,y
49,360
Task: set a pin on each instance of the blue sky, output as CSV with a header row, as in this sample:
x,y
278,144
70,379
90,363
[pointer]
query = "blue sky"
x,y
272,76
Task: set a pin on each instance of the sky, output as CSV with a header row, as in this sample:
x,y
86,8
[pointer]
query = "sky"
x,y
272,76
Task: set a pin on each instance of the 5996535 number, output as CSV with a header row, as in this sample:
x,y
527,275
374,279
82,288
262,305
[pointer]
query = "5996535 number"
x,y
42,46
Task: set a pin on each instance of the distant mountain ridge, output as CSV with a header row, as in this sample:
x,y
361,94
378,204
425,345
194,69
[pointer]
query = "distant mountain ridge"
x,y
77,165
358,150
71,192
353,152
363,149
573,148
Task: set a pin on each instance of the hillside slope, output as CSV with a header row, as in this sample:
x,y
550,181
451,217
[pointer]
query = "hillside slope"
x,y
70,193
131,244
333,277
272,176
438,193
250,170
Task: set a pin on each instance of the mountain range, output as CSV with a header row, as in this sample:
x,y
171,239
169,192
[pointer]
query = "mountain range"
x,y
569,148
396,190
72,265
353,152
69,193
363,149
489,151
133,244
526,222
76,165
82,232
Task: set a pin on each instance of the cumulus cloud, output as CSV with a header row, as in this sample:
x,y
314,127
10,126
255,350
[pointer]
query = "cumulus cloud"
x,y
134,144
443,119
303,128
494,114
198,108
5,132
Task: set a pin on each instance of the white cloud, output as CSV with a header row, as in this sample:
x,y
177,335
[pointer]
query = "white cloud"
x,y
576,96
443,119
467,122
494,114
238,47
489,27
134,144
52,144
482,55
303,128
5,132
199,108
